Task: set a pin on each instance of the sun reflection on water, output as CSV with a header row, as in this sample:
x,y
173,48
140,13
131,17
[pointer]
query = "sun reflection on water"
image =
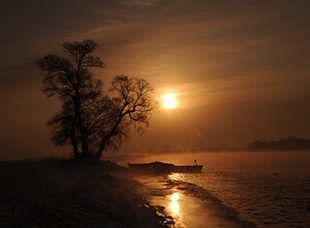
x,y
174,205
177,176
175,196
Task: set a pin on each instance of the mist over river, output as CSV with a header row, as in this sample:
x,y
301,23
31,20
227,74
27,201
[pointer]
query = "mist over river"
x,y
271,189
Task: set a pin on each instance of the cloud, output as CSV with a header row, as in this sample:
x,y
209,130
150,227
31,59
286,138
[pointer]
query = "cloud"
x,y
140,3
262,85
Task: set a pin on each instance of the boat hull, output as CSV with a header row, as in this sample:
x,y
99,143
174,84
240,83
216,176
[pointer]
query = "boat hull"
x,y
164,168
187,169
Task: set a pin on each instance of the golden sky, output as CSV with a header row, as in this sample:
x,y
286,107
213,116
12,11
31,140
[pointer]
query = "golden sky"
x,y
239,69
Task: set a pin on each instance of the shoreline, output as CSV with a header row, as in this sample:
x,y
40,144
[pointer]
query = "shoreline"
x,y
189,205
64,193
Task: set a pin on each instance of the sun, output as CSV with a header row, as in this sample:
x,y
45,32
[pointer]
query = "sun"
x,y
169,101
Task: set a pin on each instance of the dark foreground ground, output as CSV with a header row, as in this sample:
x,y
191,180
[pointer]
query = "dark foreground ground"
x,y
64,193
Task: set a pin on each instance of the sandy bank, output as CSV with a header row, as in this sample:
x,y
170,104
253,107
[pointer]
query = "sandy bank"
x,y
59,193
190,206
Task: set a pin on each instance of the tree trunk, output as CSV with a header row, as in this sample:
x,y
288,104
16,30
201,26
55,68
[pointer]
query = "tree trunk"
x,y
73,140
75,150
112,133
81,128
85,152
104,142
99,152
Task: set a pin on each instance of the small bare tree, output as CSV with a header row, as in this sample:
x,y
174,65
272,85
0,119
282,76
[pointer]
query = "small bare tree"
x,y
88,120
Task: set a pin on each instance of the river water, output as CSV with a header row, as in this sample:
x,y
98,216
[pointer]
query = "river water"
x,y
271,189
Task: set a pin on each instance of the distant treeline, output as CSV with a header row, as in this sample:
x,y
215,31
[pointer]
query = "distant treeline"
x,y
291,143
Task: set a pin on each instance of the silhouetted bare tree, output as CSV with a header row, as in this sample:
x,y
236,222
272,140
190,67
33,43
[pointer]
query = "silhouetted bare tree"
x,y
89,120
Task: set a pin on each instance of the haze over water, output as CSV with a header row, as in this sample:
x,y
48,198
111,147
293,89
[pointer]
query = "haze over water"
x,y
271,189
